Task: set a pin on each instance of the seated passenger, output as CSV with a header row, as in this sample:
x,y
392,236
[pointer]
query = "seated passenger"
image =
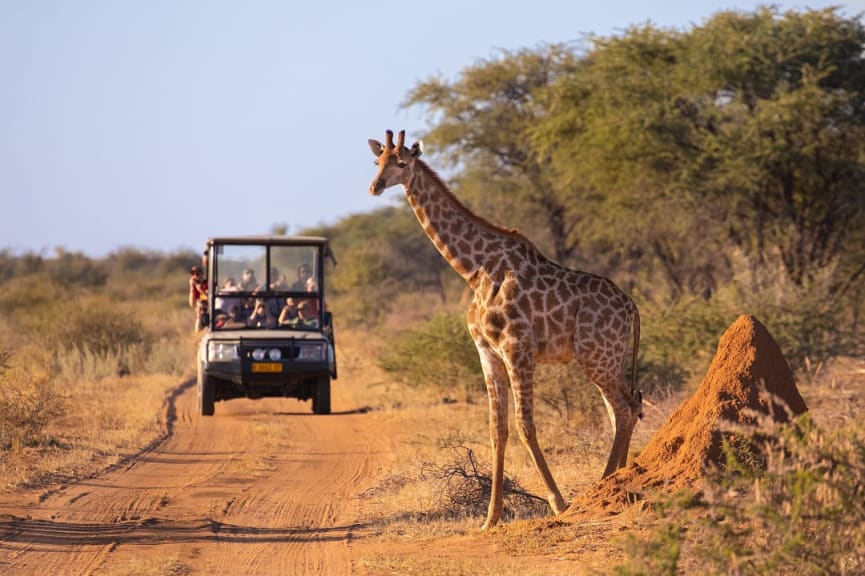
x,y
261,316
305,317
224,303
278,282
288,313
248,282
303,274
312,286
232,319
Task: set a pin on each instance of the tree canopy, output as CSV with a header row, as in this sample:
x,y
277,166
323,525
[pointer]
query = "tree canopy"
x,y
673,151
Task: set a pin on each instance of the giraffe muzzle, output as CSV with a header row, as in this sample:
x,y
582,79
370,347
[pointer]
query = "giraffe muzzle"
x,y
376,188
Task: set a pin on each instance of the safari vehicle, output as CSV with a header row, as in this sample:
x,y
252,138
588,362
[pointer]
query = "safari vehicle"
x,y
254,345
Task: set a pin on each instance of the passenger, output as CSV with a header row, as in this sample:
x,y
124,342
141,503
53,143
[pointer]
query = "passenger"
x,y
248,283
223,303
261,316
247,305
303,274
278,282
231,320
289,312
312,286
305,317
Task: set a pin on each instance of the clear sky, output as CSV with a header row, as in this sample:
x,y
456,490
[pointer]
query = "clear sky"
x,y
155,124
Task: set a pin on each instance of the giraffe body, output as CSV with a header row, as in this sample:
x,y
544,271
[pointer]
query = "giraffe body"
x,y
526,310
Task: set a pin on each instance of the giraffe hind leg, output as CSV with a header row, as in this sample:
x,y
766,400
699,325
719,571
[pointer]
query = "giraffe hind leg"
x,y
521,384
623,418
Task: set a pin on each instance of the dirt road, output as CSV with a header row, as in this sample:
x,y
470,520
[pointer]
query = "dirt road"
x,y
260,488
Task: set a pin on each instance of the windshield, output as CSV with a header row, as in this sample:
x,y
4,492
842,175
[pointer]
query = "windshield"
x,y
266,287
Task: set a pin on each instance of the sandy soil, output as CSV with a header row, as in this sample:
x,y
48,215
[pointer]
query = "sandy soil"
x,y
260,488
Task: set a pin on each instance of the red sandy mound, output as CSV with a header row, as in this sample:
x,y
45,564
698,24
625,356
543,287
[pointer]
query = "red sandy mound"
x,y
748,362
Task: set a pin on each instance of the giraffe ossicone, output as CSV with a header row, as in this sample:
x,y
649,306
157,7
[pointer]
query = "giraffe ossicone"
x,y
526,310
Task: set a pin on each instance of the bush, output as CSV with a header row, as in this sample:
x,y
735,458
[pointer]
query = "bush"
x,y
439,354
74,269
801,514
27,405
463,489
102,329
677,340
810,324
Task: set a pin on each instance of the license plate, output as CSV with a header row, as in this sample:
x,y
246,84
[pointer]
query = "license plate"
x,y
269,367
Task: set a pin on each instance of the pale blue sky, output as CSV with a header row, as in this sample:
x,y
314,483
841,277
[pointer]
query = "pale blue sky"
x,y
157,123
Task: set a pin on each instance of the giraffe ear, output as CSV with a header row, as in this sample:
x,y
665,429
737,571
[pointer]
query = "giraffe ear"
x,y
417,149
376,147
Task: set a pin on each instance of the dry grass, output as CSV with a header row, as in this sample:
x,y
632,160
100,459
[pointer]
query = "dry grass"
x,y
107,420
149,566
98,418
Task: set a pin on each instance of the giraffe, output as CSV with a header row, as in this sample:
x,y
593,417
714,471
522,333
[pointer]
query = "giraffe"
x,y
526,309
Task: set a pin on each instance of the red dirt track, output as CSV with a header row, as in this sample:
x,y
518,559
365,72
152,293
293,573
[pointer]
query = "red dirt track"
x,y
260,488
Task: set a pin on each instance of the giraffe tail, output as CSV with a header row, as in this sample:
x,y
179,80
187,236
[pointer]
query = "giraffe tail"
x,y
638,394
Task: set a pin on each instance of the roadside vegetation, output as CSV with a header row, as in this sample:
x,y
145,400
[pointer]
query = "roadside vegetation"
x,y
710,172
88,350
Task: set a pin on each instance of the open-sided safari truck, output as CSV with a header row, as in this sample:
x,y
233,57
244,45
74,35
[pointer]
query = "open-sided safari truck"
x,y
268,332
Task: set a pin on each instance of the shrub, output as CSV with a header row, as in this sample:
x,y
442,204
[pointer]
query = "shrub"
x,y
463,489
677,340
27,405
439,354
801,514
102,329
567,392
71,269
811,323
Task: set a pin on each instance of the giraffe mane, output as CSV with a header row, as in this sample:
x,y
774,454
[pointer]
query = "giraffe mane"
x,y
480,220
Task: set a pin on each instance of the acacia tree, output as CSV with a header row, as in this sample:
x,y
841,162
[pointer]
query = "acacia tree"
x,y
783,142
746,131
614,138
481,124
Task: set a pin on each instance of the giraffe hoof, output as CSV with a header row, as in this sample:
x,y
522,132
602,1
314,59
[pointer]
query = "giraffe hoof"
x,y
558,505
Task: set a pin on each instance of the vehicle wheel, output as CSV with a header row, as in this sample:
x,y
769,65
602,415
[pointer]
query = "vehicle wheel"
x,y
321,399
206,395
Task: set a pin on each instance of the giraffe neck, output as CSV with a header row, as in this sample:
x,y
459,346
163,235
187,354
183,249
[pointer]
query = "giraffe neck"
x,y
465,240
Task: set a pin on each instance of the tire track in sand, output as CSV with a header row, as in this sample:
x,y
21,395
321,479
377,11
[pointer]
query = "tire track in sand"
x,y
260,488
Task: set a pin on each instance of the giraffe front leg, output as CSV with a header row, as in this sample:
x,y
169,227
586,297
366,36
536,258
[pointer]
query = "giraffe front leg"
x,y
495,378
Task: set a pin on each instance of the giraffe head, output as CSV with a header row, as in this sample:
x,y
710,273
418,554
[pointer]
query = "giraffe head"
x,y
392,161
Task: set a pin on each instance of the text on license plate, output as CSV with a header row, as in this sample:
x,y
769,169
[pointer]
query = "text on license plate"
x,y
266,367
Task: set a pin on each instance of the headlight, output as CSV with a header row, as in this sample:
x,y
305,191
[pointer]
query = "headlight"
x,y
311,351
260,354
222,351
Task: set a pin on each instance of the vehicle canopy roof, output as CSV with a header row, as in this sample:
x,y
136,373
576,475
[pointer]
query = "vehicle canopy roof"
x,y
277,239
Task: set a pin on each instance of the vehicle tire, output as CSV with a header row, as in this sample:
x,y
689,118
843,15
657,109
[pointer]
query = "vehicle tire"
x,y
206,395
321,399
